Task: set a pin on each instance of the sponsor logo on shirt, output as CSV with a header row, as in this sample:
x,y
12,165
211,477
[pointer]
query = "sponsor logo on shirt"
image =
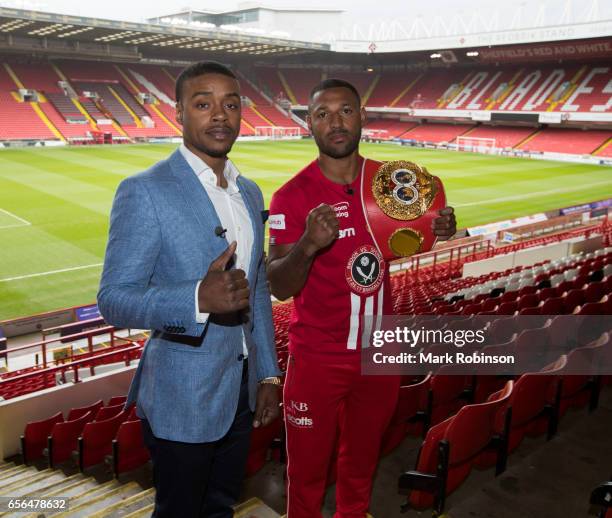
x,y
277,221
346,232
341,209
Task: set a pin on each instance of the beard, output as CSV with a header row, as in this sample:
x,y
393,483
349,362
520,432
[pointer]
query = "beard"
x,y
213,152
338,152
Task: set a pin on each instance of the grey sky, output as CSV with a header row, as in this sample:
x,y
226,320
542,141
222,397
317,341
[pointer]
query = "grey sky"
x,y
524,13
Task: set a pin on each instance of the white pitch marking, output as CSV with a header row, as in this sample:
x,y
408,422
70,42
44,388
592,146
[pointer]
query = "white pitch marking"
x,y
24,222
531,194
40,274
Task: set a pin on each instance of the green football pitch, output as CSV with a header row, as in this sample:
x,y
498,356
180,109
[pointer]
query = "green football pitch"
x,y
55,203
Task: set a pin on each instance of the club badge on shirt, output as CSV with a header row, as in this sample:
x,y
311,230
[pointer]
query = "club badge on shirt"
x,y
365,270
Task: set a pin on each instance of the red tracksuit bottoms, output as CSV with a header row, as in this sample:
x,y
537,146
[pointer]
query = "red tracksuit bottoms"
x,y
329,405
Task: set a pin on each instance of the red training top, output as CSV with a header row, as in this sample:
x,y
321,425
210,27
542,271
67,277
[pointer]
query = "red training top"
x,y
347,280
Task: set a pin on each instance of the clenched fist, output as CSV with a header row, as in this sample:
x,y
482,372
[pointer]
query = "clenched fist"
x,y
221,290
445,225
321,227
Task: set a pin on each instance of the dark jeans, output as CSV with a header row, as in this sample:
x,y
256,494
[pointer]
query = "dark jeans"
x,y
201,480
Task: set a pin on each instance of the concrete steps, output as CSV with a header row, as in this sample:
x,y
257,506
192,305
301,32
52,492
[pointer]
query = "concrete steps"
x,y
254,508
30,479
92,499
13,475
129,506
94,505
141,513
50,486
79,494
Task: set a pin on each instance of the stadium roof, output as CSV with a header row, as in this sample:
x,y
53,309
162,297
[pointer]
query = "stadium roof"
x,y
18,27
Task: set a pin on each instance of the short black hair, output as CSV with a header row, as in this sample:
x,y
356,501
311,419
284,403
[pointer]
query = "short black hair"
x,y
197,70
334,83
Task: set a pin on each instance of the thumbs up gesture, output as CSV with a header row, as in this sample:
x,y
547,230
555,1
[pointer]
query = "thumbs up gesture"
x,y
221,290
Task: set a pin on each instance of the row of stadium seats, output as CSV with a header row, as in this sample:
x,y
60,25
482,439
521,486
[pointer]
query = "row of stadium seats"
x,y
92,435
522,138
116,87
417,294
565,87
118,84
32,379
96,434
559,287
483,434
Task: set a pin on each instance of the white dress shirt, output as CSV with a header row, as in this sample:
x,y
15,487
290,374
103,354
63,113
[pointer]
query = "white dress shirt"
x,y
233,215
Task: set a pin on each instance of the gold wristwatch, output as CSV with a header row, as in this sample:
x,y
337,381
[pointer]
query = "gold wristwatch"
x,y
274,380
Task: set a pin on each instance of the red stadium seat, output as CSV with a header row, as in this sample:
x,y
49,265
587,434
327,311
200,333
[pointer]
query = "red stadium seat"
x,y
507,308
96,440
579,384
546,293
535,345
35,435
450,449
64,437
509,296
572,299
491,304
502,329
261,440
487,384
596,308
594,292
527,290
553,306
449,393
565,286
106,412
533,404
116,400
412,405
75,413
528,301
471,309
129,451
535,310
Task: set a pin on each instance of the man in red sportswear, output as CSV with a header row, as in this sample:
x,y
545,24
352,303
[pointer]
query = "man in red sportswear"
x,y
322,255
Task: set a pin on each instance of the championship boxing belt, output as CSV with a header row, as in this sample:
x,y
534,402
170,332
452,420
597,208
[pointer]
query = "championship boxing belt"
x,y
400,200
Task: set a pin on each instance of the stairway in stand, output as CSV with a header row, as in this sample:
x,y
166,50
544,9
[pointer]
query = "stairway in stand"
x,y
89,498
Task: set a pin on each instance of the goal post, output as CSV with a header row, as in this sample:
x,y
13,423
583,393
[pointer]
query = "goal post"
x,y
476,144
277,132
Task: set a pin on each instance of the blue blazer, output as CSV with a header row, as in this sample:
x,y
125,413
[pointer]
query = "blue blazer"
x,y
161,243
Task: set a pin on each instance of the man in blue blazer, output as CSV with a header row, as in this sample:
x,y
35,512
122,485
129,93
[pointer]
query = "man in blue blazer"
x,y
185,259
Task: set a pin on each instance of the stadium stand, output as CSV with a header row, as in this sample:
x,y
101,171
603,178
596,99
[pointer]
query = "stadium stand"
x,y
567,141
467,421
566,87
19,120
436,132
573,88
504,136
387,129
